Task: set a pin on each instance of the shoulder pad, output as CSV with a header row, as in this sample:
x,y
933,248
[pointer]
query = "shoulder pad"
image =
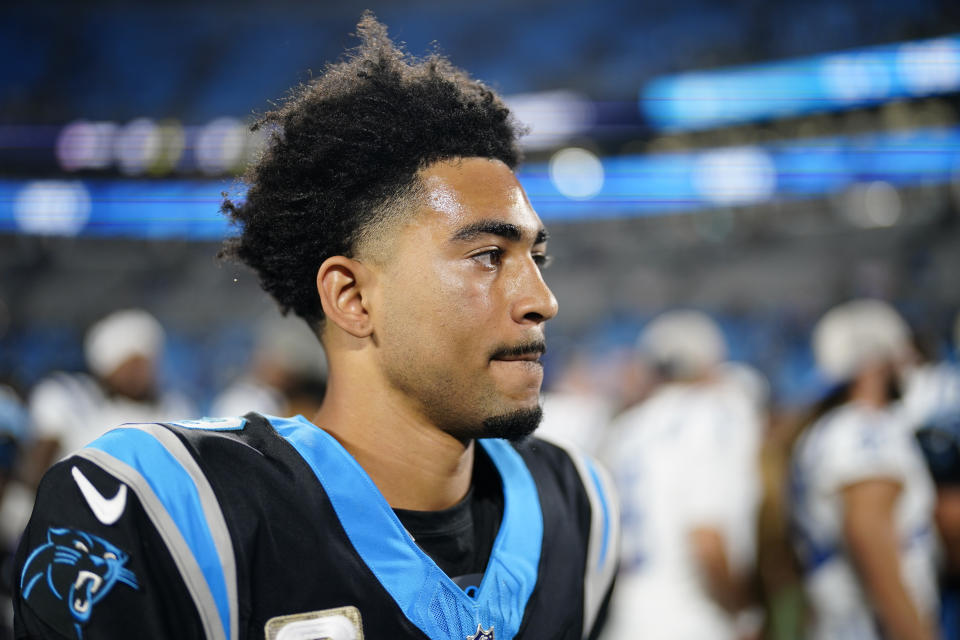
x,y
213,424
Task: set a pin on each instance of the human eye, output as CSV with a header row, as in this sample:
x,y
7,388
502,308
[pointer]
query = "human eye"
x,y
489,258
542,260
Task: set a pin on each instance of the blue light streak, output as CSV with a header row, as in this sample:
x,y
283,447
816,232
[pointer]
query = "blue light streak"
x,y
634,186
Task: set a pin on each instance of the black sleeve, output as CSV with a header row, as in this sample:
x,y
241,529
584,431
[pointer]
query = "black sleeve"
x,y
85,575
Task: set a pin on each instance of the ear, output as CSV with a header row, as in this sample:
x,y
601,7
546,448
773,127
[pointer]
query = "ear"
x,y
340,283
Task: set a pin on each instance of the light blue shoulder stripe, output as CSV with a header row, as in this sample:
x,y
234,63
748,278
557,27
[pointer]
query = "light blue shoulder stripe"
x,y
603,548
427,596
601,494
178,494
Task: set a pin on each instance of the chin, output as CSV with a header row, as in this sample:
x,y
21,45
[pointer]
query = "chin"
x,y
514,425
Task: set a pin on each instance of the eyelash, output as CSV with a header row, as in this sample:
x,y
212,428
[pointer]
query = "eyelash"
x,y
542,260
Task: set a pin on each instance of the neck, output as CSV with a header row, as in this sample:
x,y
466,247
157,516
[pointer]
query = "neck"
x,y
414,464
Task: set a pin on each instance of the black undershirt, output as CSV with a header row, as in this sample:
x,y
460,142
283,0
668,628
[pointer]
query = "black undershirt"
x,y
460,539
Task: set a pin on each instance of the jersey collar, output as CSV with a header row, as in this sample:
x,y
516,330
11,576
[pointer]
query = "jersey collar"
x,y
425,594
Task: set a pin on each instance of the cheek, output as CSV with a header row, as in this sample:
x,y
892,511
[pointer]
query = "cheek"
x,y
454,295
465,291
468,319
439,309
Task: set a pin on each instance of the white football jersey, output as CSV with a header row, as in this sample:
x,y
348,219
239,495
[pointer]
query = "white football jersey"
x,y
578,419
683,459
848,445
75,410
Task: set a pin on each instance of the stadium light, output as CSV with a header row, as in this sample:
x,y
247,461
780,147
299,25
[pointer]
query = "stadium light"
x,y
863,77
52,207
85,145
173,141
931,67
137,146
872,205
576,173
554,117
735,176
220,146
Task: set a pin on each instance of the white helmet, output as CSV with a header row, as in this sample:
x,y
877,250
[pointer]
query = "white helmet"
x,y
857,333
119,336
686,343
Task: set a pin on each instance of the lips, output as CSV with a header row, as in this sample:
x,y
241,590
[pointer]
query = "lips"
x,y
527,357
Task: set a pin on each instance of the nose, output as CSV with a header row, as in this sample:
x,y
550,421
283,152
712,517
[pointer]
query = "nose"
x,y
534,302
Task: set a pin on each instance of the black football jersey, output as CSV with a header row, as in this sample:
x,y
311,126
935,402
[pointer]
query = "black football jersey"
x,y
259,526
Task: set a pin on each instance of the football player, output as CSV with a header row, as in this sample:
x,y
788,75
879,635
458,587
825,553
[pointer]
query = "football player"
x,y
386,213
861,496
684,460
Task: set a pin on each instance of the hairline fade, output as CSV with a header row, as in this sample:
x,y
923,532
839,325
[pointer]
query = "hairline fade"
x,y
343,156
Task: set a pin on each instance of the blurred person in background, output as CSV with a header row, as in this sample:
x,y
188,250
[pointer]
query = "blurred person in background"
x,y
751,384
931,403
14,425
385,213
589,391
861,497
574,410
122,352
287,374
685,464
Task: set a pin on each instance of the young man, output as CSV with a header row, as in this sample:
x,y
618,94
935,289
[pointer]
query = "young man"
x,y
387,215
862,498
684,462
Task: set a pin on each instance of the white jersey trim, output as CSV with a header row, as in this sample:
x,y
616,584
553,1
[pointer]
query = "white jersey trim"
x,y
603,548
180,551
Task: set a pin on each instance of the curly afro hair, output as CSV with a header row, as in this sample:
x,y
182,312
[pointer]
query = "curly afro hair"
x,y
344,152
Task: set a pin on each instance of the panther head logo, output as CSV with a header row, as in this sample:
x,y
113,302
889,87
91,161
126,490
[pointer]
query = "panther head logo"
x,y
71,573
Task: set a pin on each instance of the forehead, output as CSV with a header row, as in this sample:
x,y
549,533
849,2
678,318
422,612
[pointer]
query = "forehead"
x,y
460,192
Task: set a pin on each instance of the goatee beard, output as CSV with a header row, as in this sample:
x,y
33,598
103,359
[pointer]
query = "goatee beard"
x,y
514,426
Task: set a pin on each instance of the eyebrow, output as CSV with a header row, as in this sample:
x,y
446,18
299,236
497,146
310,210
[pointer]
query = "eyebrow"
x,y
494,228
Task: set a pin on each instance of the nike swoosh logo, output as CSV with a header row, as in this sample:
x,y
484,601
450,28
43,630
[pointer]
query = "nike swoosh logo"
x,y
107,511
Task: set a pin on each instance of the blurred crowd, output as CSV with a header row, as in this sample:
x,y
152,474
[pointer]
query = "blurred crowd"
x,y
740,520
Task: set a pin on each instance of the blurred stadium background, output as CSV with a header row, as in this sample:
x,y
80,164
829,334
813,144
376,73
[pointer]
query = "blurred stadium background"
x,y
757,160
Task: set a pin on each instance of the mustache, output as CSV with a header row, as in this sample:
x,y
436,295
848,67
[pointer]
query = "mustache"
x,y
536,346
